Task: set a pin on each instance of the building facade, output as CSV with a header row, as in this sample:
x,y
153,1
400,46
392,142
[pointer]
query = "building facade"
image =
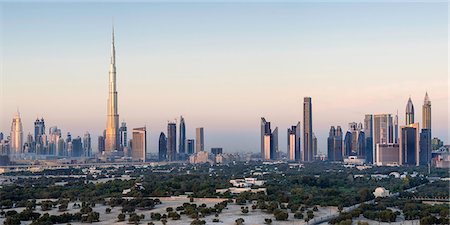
x,y
139,144
200,138
171,141
308,151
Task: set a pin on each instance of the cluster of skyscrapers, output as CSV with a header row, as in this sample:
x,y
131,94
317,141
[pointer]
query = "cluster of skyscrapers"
x,y
378,140
382,142
40,144
167,148
295,150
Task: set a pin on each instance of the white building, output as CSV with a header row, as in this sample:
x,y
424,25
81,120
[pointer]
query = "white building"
x,y
381,192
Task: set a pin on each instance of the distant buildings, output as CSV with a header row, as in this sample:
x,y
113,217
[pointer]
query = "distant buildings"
x,y
216,151
139,144
293,143
171,142
335,152
269,140
199,157
308,151
200,138
162,147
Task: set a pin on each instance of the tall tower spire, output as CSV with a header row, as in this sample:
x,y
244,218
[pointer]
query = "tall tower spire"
x,y
112,121
426,112
409,112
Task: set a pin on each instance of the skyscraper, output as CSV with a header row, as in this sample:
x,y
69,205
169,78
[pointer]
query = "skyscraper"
x,y
355,141
426,112
409,144
368,131
139,144
200,136
16,135
123,136
425,135
101,144
270,141
87,148
162,148
112,122
190,146
293,146
39,129
335,144
77,147
171,141
382,130
307,130
314,145
182,139
265,126
409,112
348,144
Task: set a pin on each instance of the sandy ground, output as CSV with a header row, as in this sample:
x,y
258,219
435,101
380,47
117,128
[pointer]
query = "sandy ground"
x,y
227,217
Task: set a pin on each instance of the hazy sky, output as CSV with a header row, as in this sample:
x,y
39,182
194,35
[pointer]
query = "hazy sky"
x,y
223,65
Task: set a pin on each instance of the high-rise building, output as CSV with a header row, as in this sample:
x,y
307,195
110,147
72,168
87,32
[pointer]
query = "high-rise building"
x,y
123,136
426,112
409,144
87,148
171,141
293,145
139,144
368,131
1,136
382,130
425,147
425,135
76,147
348,144
387,154
335,144
395,128
112,122
270,141
265,128
308,153
190,146
274,152
182,139
200,136
409,112
101,144
39,130
162,147
314,145
16,135
356,145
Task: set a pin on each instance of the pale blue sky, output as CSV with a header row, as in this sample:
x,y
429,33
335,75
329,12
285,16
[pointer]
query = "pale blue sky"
x,y
223,65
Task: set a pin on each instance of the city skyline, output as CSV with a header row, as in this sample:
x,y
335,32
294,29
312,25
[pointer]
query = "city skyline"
x,y
245,117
